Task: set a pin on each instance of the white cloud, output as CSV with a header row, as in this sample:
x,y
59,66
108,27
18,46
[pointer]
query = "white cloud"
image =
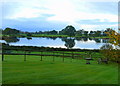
x,y
75,16
97,27
64,10
68,11
26,13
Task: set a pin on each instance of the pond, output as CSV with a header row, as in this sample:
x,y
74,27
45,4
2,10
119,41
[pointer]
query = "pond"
x,y
81,43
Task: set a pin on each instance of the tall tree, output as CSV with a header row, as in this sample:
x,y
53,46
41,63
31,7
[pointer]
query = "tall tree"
x,y
69,30
115,40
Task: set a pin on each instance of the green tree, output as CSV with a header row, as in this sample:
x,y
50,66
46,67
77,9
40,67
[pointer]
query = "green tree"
x,y
29,34
86,33
107,50
115,40
91,33
79,33
53,32
69,30
10,31
98,33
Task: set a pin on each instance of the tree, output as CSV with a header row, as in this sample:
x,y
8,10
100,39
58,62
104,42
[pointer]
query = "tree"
x,y
10,31
91,33
69,30
106,51
98,33
86,33
79,33
114,37
115,40
54,32
29,34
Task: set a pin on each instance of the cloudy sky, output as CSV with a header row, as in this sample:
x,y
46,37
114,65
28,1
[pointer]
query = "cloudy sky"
x,y
36,15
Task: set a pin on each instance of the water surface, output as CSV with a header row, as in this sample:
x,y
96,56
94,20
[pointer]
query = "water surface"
x,y
81,43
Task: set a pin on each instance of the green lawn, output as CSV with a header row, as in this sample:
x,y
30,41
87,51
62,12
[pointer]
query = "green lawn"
x,y
71,71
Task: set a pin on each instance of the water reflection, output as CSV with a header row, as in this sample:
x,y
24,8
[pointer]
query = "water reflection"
x,y
69,42
11,39
65,42
29,38
105,40
97,40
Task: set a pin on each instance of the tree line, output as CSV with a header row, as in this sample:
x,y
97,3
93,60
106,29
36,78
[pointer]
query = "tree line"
x,y
68,30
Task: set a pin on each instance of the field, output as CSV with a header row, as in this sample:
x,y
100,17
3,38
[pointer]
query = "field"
x,y
71,71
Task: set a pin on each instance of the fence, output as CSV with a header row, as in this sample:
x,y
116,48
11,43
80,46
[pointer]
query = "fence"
x,y
62,54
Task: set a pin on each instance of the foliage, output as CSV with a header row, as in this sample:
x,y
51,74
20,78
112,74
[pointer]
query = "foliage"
x,y
10,31
98,33
115,40
86,33
106,51
69,30
114,37
79,33
29,34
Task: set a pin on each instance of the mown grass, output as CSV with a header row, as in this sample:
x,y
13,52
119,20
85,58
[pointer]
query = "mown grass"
x,y
71,71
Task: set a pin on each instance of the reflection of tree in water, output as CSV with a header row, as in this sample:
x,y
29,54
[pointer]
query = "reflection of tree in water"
x,y
85,39
78,38
11,39
53,38
90,39
29,38
81,39
105,40
97,40
69,43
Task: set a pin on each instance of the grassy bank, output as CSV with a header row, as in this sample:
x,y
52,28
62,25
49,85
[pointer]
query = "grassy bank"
x,y
34,71
45,35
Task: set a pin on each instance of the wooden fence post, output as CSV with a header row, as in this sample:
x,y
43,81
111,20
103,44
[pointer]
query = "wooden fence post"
x,y
53,57
41,56
63,56
2,57
72,56
25,56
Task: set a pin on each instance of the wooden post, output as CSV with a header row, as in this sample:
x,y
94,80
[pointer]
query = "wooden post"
x,y
72,56
25,56
53,57
2,57
63,56
41,56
